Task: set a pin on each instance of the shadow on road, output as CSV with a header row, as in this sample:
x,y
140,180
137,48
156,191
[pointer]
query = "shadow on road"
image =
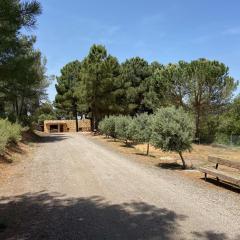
x,y
170,166
222,184
53,138
44,138
44,216
210,235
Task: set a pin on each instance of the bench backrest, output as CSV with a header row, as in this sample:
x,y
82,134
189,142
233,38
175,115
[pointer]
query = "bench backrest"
x,y
225,162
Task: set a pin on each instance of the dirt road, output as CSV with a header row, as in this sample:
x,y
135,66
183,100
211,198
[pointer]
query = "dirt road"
x,y
74,188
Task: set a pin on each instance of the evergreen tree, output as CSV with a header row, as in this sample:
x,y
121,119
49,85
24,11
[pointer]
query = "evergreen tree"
x,y
209,88
134,73
22,69
66,99
95,91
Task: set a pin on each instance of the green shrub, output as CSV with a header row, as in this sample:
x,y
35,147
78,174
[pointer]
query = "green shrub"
x,y
107,126
3,137
140,129
173,130
9,133
14,131
122,127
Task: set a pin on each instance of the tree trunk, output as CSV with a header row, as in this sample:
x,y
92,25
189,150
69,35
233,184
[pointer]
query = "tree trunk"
x,y
21,108
76,120
94,122
183,161
197,124
148,149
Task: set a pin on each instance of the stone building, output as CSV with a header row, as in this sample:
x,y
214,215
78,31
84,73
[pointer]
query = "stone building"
x,y
55,126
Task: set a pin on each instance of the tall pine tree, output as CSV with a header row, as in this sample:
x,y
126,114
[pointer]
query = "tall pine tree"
x,y
66,100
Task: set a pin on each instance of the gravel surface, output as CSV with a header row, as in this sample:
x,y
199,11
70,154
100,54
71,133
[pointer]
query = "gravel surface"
x,y
75,188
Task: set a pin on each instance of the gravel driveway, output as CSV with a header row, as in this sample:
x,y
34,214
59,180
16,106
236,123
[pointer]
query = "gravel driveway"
x,y
74,188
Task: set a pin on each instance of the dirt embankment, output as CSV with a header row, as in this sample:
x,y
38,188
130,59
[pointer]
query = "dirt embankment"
x,y
15,154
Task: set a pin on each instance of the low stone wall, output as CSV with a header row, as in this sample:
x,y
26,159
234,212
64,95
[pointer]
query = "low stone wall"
x,y
67,125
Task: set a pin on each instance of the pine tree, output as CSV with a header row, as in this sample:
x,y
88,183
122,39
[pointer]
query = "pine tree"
x,y
66,99
95,91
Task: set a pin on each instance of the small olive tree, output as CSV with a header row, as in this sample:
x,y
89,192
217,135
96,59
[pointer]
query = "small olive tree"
x,y
107,126
140,129
122,127
173,130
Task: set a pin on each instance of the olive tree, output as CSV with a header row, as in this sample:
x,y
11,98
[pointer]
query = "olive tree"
x,y
140,129
173,130
122,127
107,126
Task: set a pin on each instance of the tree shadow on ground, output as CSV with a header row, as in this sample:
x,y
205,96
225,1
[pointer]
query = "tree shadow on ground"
x,y
170,165
126,145
210,235
53,216
222,184
174,166
45,216
53,138
36,138
145,155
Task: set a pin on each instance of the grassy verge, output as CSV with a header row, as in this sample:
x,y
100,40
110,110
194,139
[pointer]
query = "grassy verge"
x,y
10,133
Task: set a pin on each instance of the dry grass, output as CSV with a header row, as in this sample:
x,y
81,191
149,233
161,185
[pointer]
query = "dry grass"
x,y
198,156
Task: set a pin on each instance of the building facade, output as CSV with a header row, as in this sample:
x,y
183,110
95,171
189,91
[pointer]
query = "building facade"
x,y
55,126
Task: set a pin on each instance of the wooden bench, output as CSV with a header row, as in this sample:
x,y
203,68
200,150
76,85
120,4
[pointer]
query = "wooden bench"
x,y
219,174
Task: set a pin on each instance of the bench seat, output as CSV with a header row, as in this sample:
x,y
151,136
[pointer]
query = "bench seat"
x,y
221,175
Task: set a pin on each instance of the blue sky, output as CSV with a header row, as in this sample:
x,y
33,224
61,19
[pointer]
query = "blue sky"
x,y
166,31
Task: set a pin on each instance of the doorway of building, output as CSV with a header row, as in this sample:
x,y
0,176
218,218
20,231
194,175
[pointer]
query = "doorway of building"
x,y
53,128
61,127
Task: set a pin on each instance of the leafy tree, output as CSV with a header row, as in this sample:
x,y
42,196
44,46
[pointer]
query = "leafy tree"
x,y
230,119
172,130
66,99
122,127
107,126
45,112
202,87
166,85
140,129
209,88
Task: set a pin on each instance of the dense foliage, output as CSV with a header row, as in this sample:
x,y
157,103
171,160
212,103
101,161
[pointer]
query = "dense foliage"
x,y
22,68
101,86
107,126
66,100
172,130
169,129
9,133
140,129
122,128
